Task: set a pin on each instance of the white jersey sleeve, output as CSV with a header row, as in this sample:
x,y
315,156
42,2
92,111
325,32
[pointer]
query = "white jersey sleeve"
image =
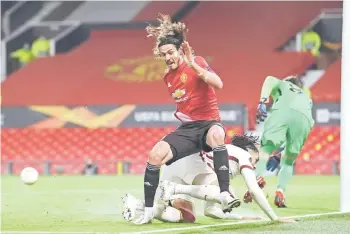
x,y
257,193
238,159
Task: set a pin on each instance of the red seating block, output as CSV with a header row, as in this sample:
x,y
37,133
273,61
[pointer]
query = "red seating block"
x,y
69,147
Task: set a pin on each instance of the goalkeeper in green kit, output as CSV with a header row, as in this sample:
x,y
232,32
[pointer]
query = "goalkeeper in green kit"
x,y
289,121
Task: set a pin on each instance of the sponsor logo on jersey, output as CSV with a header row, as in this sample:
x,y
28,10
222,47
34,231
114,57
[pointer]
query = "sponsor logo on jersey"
x,y
179,95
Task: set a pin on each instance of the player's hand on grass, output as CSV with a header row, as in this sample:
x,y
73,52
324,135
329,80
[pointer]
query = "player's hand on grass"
x,y
187,52
286,220
261,113
145,217
247,197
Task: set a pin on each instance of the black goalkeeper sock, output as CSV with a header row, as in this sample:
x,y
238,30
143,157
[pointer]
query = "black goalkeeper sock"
x,y
151,181
221,166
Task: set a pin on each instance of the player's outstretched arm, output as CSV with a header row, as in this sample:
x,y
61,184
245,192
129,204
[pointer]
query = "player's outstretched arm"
x,y
269,84
258,195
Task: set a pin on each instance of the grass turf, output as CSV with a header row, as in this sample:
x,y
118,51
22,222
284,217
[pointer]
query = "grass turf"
x,y
78,204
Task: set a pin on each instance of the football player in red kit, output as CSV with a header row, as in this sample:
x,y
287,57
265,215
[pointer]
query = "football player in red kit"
x,y
191,83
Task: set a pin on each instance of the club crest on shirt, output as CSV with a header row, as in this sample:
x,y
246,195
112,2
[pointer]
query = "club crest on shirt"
x,y
183,77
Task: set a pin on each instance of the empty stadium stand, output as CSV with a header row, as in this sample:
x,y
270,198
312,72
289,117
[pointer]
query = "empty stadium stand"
x,y
116,67
328,87
245,42
68,147
321,152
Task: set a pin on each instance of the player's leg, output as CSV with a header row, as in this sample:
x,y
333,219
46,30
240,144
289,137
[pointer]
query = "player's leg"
x,y
172,147
133,208
160,153
184,204
298,129
211,208
215,138
167,213
208,193
200,191
284,176
179,208
274,135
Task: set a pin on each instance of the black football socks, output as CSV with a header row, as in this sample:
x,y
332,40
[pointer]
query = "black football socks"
x,y
151,181
221,166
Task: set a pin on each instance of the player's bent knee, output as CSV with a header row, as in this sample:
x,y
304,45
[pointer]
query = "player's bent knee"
x,y
181,203
160,152
186,208
215,136
171,215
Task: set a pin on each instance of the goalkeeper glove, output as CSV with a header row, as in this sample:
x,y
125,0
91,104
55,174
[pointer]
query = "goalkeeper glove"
x,y
273,163
261,113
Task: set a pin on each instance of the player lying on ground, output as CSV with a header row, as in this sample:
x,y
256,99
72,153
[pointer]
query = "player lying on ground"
x,y
198,172
242,158
191,83
189,170
289,121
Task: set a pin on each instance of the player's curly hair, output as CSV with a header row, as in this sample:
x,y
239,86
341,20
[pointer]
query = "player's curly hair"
x,y
245,142
167,32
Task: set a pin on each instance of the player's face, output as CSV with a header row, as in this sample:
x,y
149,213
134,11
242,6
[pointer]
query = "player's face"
x,y
255,156
171,56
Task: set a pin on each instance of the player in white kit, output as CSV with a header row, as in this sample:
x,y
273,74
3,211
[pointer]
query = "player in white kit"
x,y
193,176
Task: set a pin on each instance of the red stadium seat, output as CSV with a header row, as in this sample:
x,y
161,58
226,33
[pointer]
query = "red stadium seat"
x,y
69,147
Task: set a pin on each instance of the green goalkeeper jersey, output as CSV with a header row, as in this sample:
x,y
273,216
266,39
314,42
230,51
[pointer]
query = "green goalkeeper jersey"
x,y
287,95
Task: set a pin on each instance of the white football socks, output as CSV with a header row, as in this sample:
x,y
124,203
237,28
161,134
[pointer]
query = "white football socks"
x,y
203,192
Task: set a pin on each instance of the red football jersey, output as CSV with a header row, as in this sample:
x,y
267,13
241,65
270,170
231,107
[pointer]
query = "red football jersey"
x,y
195,99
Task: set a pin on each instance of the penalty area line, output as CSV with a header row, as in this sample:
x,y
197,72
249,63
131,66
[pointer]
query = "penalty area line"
x,y
228,224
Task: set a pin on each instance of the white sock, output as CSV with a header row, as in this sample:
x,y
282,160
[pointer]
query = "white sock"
x,y
203,192
212,211
167,213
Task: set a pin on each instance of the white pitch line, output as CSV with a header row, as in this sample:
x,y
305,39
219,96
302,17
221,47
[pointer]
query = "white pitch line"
x,y
228,224
177,229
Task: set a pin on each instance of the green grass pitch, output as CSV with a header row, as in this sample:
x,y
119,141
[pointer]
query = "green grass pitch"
x,y
92,204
